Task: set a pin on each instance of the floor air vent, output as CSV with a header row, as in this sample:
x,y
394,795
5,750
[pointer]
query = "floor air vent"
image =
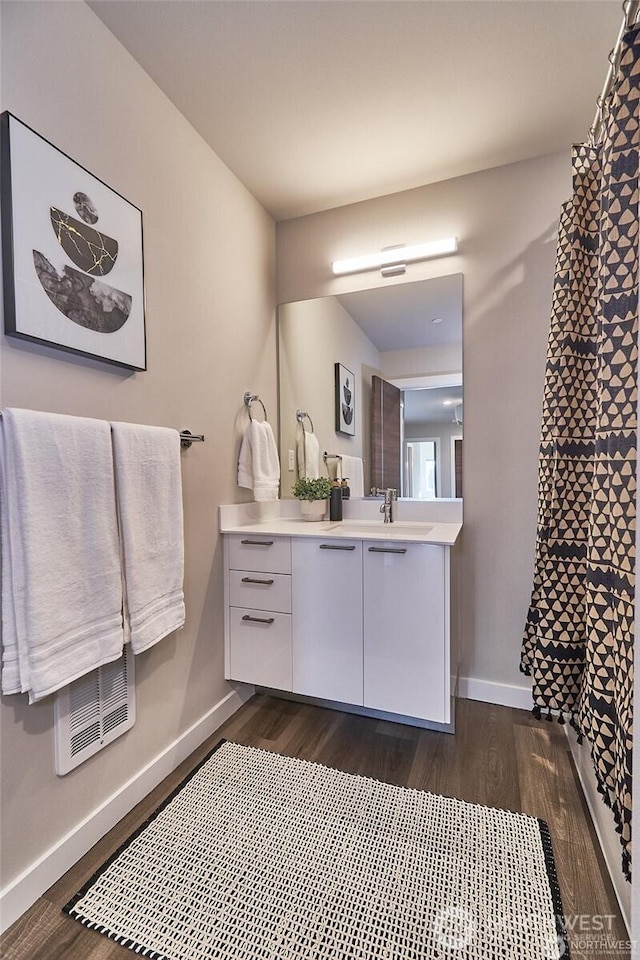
x,y
93,711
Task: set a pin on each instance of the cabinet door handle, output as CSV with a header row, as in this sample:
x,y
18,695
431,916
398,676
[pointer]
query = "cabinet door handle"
x,y
258,619
254,580
336,546
258,543
387,549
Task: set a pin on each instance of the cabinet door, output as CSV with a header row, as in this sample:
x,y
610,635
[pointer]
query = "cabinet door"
x,y
404,629
327,618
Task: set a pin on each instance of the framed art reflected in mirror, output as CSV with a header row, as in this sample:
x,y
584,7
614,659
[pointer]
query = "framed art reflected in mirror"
x,y
345,400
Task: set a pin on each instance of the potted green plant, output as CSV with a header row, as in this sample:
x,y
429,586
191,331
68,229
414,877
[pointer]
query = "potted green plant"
x,y
313,496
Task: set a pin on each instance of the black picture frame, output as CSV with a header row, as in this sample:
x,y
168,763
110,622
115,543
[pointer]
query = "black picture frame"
x,y
345,400
67,283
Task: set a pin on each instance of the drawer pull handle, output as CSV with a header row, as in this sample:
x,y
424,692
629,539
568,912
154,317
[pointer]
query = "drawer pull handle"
x,y
267,583
258,543
258,619
387,549
336,546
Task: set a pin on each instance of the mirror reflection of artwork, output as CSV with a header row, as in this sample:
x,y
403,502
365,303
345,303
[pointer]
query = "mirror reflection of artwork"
x,y
347,407
345,401
73,277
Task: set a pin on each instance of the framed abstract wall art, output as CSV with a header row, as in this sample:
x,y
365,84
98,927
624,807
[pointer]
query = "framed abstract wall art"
x,y
345,400
72,254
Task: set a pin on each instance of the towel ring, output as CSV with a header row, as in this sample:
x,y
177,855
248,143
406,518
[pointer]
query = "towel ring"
x,y
301,415
249,398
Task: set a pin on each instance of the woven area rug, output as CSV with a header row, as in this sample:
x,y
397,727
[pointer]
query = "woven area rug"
x,y
263,857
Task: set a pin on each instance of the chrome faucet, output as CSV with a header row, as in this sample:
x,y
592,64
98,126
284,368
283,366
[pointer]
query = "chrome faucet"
x,y
390,495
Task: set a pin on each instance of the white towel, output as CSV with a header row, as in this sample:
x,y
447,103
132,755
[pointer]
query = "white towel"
x,y
61,581
308,455
149,492
353,468
258,463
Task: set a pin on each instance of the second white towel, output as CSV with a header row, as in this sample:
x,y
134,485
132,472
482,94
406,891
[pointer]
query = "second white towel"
x,y
308,455
353,468
149,489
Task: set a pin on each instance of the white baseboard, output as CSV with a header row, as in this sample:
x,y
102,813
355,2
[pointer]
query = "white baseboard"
x,y
603,824
505,694
18,896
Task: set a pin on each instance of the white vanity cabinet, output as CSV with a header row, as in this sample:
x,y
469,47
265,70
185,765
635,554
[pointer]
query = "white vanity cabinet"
x,y
258,610
364,621
406,629
327,618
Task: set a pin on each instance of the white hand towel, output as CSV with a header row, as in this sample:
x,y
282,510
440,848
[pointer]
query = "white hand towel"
x,y
308,455
258,463
61,580
149,492
353,468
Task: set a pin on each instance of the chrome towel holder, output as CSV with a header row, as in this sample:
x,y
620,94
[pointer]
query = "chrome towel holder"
x,y
249,399
187,438
301,415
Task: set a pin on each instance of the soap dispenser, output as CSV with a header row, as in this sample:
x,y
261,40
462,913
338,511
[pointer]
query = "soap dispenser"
x,y
335,501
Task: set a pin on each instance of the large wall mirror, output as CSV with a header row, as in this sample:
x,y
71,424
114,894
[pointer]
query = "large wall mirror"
x,y
389,359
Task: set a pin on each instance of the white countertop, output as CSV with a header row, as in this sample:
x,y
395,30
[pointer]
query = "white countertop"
x,y
439,532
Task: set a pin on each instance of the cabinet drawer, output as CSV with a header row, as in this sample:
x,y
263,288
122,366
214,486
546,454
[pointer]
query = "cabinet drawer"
x,y
260,647
260,552
260,591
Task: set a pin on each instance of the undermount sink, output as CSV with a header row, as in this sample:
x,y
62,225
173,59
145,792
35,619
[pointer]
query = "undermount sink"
x,y
379,528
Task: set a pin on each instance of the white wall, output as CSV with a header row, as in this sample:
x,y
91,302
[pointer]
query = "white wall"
x,y
505,220
210,336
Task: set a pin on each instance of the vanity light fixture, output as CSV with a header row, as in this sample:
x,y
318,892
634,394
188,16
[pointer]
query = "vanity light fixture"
x,y
392,259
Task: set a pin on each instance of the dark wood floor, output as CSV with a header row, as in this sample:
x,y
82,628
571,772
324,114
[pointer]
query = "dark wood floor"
x,y
499,757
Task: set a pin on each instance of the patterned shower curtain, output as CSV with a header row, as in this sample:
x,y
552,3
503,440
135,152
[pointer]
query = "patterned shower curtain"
x,y
579,635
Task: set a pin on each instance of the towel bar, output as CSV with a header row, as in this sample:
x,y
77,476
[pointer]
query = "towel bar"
x,y
333,456
186,437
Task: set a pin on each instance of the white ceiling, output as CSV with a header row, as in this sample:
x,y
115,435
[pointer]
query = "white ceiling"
x,y
318,103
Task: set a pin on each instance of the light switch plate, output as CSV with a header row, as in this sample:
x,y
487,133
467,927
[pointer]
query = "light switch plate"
x,y
291,461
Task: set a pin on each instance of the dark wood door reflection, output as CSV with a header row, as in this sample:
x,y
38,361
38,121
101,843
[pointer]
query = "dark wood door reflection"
x,y
386,414
457,454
